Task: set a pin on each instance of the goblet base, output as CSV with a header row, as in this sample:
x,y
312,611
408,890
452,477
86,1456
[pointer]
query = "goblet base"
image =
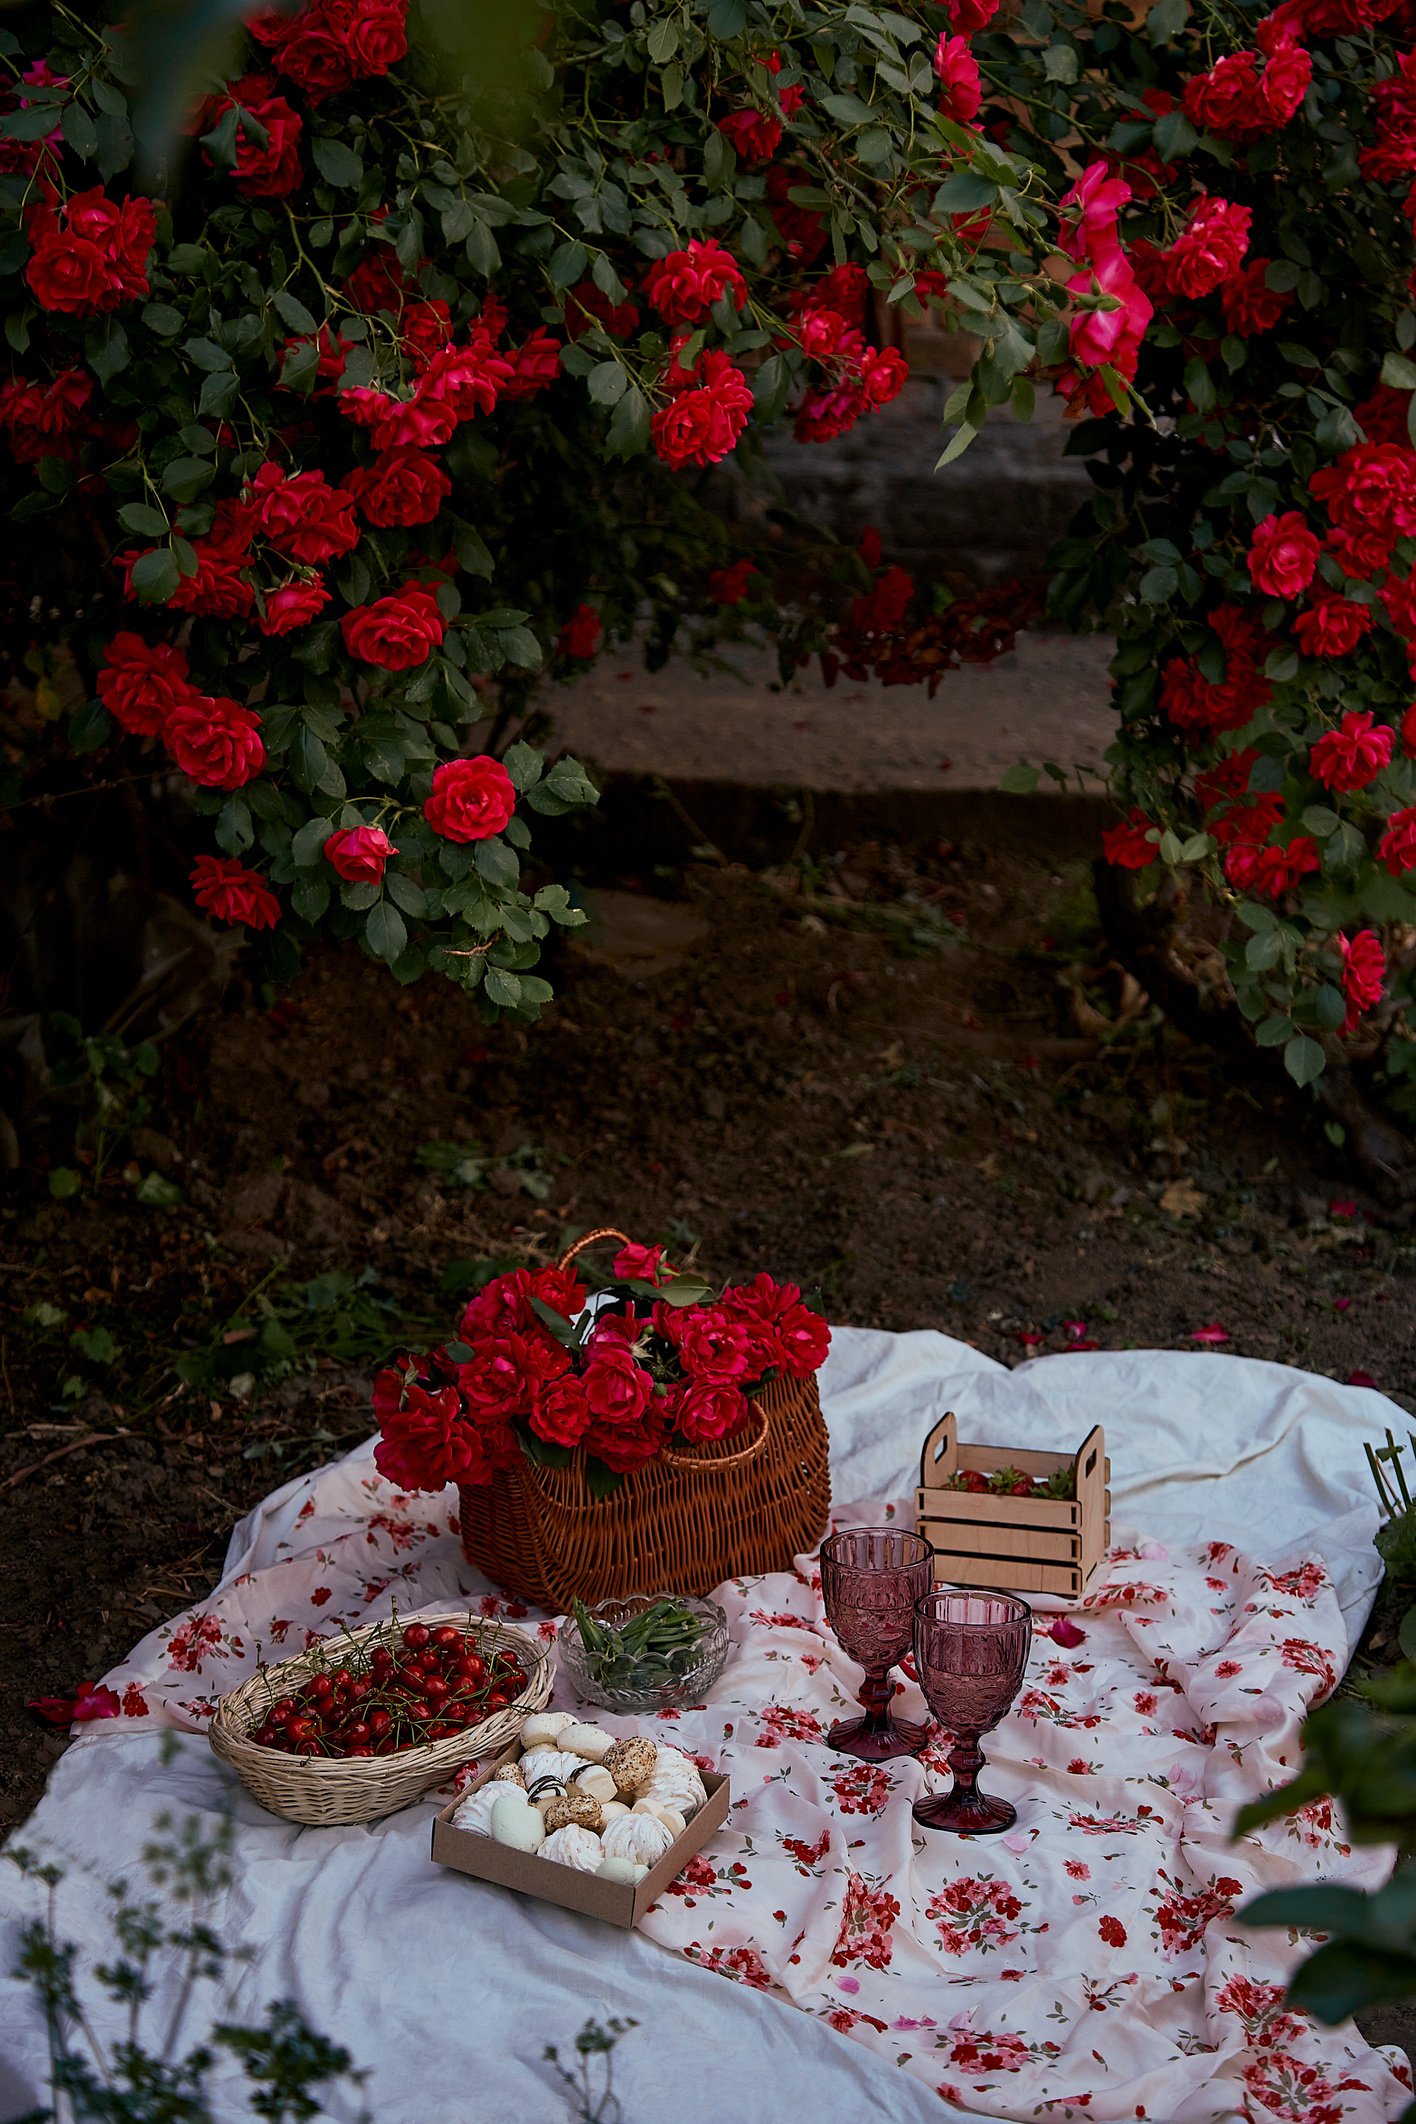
x,y
874,1742
965,1813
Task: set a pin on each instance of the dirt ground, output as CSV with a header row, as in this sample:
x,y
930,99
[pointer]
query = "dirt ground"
x,y
903,1074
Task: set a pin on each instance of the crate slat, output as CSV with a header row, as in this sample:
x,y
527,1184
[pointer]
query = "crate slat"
x,y
985,1538
1009,1575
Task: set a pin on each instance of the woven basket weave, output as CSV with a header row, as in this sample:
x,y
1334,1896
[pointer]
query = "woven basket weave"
x,y
689,1520
324,1791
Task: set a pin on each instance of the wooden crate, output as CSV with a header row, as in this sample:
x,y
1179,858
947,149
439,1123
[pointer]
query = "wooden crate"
x,y
1019,1544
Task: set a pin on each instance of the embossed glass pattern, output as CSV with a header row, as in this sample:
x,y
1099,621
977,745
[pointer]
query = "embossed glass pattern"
x,y
871,1580
971,1653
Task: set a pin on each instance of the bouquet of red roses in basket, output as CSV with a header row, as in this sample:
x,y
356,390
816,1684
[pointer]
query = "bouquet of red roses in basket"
x,y
657,1361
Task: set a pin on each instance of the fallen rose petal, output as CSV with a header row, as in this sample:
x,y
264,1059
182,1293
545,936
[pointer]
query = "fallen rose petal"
x,y
1212,1334
1342,1209
1063,1631
1341,1305
1360,1379
1029,1337
1073,1328
90,1703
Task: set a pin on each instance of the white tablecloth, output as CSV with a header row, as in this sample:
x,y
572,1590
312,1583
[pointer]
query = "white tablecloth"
x,y
447,1990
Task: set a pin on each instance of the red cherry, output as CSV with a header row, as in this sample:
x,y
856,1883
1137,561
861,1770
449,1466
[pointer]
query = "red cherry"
x,y
379,1723
308,1747
416,1636
283,1709
361,1750
435,1688
446,1634
498,1700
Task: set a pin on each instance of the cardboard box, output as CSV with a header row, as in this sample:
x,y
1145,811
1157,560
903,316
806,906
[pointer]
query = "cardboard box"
x,y
1016,1544
617,1902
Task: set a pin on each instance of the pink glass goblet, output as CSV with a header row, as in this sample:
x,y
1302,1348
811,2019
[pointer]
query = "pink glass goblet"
x,y
872,1579
971,1653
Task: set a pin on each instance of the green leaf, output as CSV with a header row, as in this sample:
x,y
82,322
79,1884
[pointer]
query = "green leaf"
x,y
336,163
90,727
629,425
772,386
386,931
64,1183
1019,780
149,522
727,18
78,129
607,382
155,1191
502,987
964,191
1304,1059
1264,950
957,444
1399,373
523,763
156,576
1321,821
293,311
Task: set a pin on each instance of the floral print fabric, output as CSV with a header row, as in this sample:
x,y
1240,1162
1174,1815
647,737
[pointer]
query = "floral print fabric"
x,y
1088,1964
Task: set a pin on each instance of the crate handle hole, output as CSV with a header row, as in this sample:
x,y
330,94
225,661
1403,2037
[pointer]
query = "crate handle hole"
x,y
1090,1463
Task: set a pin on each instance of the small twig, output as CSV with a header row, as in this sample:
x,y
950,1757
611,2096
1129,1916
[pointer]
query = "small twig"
x,y
78,1445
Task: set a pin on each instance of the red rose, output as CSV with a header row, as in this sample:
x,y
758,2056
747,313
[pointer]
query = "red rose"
x,y
1382,416
884,373
643,1262
560,1412
1250,305
617,1388
378,36
504,1302
470,800
225,888
582,634
1193,702
142,682
707,411
92,255
1210,248
730,585
268,172
397,632
400,423
1271,872
684,285
331,353
45,420
1397,846
1363,974
534,365
214,740
711,1347
293,606
399,489
755,135
359,853
1354,754
219,589
587,305
303,516
627,1449
467,379
1332,626
959,78
1371,490
426,1442
423,328
788,1334
1408,732
378,281
1129,845
1399,602
710,1409
1284,555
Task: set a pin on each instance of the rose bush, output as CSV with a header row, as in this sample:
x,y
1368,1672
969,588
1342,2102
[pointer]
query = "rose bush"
x,y
1252,532
378,415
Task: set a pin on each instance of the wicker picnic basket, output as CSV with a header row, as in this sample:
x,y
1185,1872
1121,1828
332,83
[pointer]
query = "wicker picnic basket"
x,y
325,1791
690,1519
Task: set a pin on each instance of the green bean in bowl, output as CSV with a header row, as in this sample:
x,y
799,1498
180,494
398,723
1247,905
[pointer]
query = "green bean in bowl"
x,y
644,1653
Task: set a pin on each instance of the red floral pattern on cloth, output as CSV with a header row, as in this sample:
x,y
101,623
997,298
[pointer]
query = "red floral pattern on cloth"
x,y
1088,1963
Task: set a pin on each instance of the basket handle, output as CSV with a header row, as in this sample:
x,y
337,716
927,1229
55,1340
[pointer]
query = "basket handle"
x,y
601,1231
725,1460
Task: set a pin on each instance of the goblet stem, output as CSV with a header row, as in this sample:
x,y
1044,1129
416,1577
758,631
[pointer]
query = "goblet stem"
x,y
877,1736
965,1810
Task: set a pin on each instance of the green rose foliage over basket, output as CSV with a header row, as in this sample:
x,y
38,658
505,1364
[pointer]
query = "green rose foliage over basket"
x,y
1252,533
398,400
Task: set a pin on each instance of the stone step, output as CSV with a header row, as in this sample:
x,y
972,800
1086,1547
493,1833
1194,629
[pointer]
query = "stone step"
x,y
1049,699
